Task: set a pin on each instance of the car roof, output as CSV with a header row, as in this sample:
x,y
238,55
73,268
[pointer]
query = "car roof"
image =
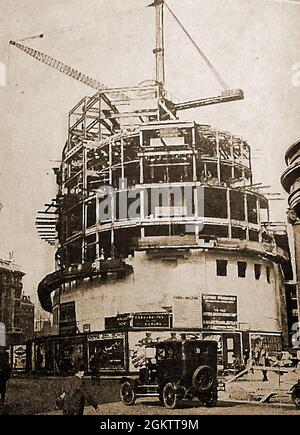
x,y
179,341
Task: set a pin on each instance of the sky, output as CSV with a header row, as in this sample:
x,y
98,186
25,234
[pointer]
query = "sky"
x,y
254,44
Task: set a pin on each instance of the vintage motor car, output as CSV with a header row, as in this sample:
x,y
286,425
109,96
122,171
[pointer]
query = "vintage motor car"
x,y
295,391
174,370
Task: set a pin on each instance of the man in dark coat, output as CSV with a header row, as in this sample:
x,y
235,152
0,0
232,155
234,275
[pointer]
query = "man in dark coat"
x,y
5,373
75,394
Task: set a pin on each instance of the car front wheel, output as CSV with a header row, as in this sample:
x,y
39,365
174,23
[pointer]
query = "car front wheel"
x,y
127,394
170,398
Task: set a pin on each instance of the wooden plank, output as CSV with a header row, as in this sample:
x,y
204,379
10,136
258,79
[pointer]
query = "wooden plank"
x,y
267,397
237,376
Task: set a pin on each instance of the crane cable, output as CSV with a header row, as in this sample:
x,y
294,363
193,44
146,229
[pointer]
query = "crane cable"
x,y
60,66
80,25
202,54
29,38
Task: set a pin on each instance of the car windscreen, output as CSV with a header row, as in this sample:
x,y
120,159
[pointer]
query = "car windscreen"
x,y
203,349
170,352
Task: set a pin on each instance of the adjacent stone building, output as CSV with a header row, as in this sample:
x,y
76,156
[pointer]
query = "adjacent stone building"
x,y
291,183
16,310
27,316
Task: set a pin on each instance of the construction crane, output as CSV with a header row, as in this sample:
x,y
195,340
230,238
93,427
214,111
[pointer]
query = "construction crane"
x,y
227,94
65,69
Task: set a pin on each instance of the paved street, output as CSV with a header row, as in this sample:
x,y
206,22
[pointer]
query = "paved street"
x,y
32,396
153,407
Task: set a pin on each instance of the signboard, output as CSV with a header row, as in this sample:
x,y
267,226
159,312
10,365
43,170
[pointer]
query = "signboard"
x,y
138,320
121,321
67,319
105,336
186,311
219,312
151,320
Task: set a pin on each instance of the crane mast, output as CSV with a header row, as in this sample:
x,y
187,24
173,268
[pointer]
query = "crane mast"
x,y
227,95
159,50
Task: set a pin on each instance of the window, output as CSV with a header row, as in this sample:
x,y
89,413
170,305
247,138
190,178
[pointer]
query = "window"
x,y
268,270
257,271
252,211
161,354
222,267
242,267
215,202
237,205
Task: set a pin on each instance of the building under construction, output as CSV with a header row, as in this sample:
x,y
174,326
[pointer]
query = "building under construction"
x,y
159,228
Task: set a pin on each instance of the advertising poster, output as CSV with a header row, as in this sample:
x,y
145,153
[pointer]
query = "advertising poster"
x,y
19,358
271,343
219,311
40,356
67,319
68,354
109,349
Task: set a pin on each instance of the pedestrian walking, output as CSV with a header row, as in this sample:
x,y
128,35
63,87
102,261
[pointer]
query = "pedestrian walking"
x,y
256,353
5,373
246,357
75,394
264,361
236,363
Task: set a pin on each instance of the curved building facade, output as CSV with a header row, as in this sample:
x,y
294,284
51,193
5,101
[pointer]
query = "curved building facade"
x,y
159,218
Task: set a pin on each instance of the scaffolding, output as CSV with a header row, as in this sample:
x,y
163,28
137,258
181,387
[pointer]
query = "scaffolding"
x,y
120,146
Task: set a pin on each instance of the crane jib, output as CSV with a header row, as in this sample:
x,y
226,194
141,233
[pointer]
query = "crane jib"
x,y
68,70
